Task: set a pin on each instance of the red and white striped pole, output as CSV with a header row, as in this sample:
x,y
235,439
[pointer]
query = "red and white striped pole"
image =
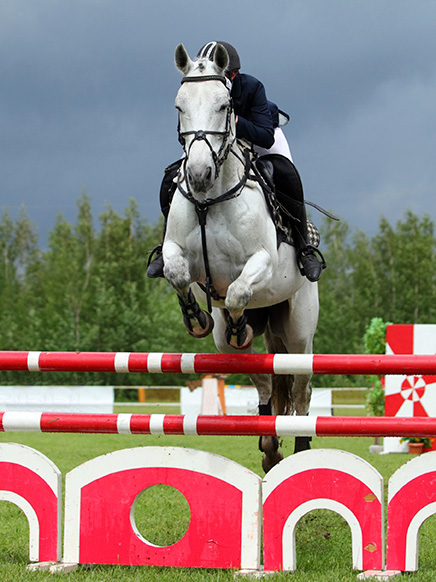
x,y
125,362
168,424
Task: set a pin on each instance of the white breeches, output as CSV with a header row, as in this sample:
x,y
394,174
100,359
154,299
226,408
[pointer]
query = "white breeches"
x,y
280,146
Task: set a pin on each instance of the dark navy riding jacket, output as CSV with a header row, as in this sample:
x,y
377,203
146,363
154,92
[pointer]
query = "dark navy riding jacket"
x,y
257,116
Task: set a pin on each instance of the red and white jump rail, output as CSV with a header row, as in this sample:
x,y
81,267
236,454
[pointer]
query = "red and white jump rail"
x,y
169,424
125,362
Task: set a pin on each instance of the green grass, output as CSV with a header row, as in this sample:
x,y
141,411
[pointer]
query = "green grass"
x,y
162,515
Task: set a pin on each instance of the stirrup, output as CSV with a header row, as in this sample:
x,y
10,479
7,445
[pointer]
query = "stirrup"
x,y
156,251
155,263
310,250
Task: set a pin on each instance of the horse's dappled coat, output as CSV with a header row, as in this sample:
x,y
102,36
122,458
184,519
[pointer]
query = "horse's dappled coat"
x,y
258,287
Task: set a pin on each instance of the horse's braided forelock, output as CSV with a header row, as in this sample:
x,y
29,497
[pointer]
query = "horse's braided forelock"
x,y
208,51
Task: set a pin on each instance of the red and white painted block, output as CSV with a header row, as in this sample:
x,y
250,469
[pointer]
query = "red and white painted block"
x,y
323,479
225,504
32,482
411,500
410,395
224,500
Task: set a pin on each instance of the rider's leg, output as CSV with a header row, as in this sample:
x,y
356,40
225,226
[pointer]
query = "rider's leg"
x,y
167,189
289,192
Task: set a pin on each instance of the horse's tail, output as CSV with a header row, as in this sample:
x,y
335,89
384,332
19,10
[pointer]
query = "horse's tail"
x,y
281,398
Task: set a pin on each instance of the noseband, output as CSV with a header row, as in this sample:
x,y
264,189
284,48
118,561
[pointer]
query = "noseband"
x,y
202,135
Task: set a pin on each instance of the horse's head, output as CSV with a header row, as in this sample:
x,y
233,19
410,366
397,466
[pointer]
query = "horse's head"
x,y
206,121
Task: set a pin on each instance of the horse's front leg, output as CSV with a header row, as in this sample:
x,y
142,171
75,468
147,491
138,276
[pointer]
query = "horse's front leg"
x,y
256,275
176,271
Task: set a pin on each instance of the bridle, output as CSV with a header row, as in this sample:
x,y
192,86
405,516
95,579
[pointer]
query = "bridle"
x,y
202,135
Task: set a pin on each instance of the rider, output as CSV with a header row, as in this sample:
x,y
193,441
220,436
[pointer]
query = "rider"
x,y
257,121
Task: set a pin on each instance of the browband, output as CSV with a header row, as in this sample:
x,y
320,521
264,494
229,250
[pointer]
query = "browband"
x,y
199,79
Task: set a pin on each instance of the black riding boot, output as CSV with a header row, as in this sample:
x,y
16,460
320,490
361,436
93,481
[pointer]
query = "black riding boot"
x,y
289,193
155,265
168,187
309,259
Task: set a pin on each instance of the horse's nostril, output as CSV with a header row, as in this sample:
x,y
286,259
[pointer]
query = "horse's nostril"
x,y
200,181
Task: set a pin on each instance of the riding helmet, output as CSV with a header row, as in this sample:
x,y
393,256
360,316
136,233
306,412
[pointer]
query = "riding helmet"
x,y
208,50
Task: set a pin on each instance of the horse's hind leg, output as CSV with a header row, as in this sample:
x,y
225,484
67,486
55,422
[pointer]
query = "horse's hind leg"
x,y
268,445
292,325
301,395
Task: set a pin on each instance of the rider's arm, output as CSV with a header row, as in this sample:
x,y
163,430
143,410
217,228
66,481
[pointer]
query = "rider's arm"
x,y
254,117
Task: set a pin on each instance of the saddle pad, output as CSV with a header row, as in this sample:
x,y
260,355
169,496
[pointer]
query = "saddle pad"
x,y
313,236
284,231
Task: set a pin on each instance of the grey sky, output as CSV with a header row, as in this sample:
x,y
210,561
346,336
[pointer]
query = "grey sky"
x,y
87,90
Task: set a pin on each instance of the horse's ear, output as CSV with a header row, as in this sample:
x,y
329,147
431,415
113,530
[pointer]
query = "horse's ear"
x,y
221,57
182,60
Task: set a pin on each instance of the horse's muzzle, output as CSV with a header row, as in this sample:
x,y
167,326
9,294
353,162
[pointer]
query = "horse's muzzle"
x,y
200,180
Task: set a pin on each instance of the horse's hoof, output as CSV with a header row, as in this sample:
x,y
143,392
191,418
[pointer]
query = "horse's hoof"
x,y
242,341
199,331
271,460
272,456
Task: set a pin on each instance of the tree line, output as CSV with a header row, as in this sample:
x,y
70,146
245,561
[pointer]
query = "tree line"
x,y
88,290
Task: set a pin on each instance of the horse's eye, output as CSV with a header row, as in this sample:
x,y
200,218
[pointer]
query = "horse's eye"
x,y
223,107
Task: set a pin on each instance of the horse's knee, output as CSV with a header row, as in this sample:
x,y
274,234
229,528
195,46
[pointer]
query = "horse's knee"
x,y
176,272
238,296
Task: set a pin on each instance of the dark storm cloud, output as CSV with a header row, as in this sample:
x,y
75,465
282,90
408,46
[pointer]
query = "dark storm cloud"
x,y
87,90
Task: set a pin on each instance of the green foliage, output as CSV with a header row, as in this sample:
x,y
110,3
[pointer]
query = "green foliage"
x,y
375,336
375,398
375,343
88,291
390,276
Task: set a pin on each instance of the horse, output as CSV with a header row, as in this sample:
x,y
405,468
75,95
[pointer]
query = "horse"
x,y
220,247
